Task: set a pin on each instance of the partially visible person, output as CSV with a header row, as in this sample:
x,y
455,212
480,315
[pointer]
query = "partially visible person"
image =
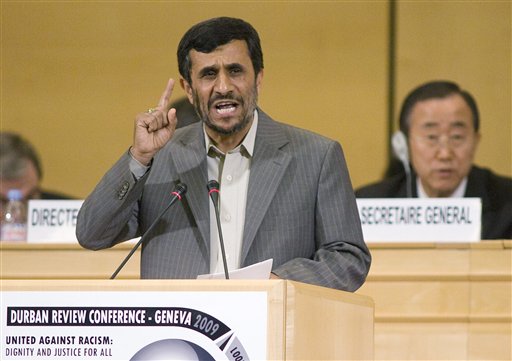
x,y
441,123
20,168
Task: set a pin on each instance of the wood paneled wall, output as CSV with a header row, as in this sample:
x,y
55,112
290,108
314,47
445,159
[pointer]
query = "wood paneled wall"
x,y
74,74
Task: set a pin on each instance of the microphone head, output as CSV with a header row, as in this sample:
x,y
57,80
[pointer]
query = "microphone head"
x,y
213,190
213,185
180,189
399,143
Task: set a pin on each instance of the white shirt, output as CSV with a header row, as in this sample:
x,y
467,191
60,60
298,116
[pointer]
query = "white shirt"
x,y
458,193
231,170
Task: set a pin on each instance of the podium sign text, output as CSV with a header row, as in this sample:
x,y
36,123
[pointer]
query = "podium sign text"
x,y
134,325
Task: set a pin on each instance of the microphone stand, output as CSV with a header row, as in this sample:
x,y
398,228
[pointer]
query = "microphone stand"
x,y
178,192
213,191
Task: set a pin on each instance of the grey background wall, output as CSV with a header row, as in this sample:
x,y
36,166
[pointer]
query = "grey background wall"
x,y
74,74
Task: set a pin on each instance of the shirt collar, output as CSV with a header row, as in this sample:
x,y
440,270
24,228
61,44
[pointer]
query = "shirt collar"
x,y
247,144
458,193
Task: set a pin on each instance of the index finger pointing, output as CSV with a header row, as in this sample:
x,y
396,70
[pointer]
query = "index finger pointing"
x,y
164,99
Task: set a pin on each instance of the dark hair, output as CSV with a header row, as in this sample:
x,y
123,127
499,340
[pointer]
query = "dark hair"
x,y
14,153
206,36
435,89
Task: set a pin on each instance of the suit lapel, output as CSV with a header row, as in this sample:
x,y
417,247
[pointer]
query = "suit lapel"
x,y
268,166
190,161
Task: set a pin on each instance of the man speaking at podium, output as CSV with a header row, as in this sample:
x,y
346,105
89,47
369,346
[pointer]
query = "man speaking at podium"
x,y
285,193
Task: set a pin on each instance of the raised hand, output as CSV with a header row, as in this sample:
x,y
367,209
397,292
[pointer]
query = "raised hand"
x,y
154,128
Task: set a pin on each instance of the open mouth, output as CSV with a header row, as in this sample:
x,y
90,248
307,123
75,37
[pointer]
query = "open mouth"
x,y
225,107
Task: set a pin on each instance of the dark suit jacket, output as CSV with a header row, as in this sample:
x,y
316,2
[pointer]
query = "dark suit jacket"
x,y
301,209
495,192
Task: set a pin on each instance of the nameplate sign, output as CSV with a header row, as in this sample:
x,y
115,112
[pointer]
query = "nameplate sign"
x,y
52,221
420,220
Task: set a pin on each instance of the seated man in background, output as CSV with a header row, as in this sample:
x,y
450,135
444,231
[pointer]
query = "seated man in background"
x,y
441,124
21,169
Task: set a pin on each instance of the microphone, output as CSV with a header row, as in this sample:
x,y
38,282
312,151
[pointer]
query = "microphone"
x,y
399,143
178,192
213,191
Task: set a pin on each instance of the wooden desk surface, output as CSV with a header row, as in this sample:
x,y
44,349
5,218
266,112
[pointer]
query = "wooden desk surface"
x,y
400,261
65,261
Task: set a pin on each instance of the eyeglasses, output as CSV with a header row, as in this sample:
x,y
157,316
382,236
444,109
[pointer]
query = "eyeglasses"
x,y
434,140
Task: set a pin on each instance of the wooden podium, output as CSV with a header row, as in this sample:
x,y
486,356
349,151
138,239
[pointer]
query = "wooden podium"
x,y
433,301
304,322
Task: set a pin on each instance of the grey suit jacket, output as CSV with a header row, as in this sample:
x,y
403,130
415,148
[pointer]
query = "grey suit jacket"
x,y
301,210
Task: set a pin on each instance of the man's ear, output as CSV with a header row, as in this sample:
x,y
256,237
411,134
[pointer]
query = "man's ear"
x,y
188,89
